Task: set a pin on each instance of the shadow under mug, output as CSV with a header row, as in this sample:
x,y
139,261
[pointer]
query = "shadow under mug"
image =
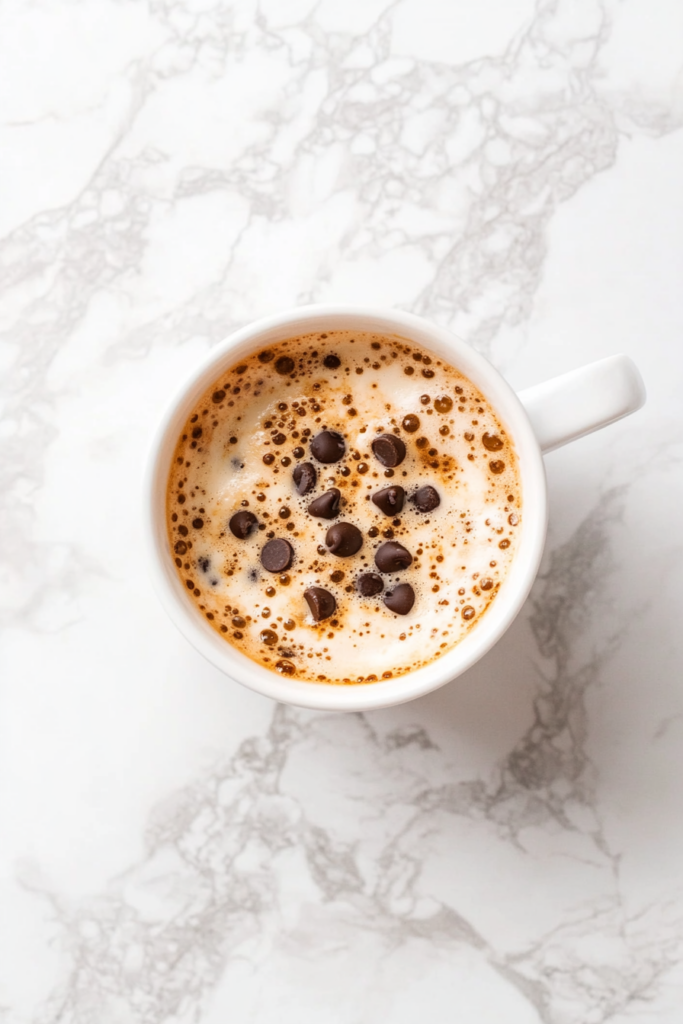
x,y
539,420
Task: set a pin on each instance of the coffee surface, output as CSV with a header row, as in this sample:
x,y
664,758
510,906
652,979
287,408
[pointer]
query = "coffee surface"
x,y
343,507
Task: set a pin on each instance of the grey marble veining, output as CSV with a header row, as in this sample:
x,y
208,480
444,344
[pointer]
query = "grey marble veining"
x,y
174,848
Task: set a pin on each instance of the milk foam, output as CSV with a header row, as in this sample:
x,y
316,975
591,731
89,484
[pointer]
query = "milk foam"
x,y
254,411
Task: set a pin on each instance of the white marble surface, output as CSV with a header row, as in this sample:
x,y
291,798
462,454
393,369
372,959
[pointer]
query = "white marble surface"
x,y
173,848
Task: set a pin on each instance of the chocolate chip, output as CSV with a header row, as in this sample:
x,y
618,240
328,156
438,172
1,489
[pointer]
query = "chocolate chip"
x,y
389,500
332,362
328,446
389,449
242,523
344,539
492,442
401,599
392,557
284,365
426,499
305,477
277,555
327,505
369,584
320,602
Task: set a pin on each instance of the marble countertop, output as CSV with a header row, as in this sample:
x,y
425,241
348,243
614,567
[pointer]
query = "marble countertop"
x,y
175,849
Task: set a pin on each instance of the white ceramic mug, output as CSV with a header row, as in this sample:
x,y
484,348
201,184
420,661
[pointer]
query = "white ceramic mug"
x,y
539,420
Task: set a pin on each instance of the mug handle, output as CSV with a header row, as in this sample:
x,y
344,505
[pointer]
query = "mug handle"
x,y
577,403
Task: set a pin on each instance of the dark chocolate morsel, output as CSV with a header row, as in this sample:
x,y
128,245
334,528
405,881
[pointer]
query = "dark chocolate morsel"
x,y
389,500
305,477
392,557
426,499
344,539
327,505
369,584
242,523
320,602
277,555
389,449
328,446
492,442
401,599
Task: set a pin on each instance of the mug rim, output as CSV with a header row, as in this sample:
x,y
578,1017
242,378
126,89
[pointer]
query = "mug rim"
x,y
515,586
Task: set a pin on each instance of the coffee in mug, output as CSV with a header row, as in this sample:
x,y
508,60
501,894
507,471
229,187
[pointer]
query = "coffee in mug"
x,y
343,506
